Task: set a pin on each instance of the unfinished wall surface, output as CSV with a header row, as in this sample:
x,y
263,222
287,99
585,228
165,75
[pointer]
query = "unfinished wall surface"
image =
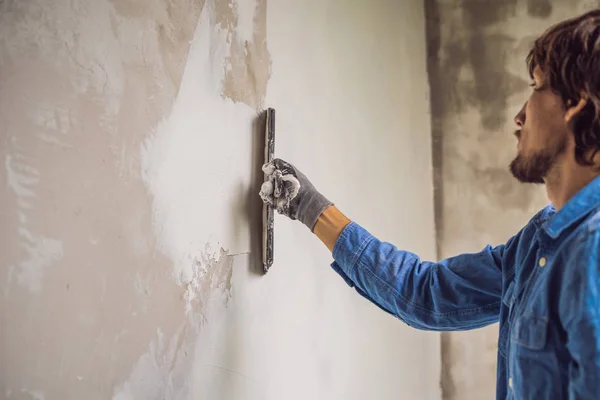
x,y
130,216
479,81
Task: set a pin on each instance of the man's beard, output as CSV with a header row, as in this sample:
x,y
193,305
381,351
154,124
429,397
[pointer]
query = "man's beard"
x,y
536,167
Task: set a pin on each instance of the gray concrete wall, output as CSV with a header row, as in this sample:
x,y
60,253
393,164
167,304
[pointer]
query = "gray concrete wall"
x,y
130,218
479,81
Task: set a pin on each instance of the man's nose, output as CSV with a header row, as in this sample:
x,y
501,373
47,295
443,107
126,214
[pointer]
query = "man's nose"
x,y
520,117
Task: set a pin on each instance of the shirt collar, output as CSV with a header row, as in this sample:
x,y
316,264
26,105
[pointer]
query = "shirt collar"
x,y
576,208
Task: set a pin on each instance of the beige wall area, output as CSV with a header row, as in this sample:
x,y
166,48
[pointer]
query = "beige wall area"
x,y
129,212
479,81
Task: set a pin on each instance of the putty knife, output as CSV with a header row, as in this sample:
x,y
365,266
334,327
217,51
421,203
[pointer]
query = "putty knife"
x,y
268,210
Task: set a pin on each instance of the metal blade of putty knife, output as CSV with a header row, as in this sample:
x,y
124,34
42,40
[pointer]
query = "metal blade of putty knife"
x,y
268,210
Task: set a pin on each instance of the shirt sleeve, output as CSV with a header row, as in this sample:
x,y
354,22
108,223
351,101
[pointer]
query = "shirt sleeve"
x,y
579,307
458,293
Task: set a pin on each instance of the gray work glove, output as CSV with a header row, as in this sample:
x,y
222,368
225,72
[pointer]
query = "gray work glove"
x,y
290,192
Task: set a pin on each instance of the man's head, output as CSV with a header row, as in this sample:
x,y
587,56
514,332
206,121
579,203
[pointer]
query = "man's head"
x,y
560,122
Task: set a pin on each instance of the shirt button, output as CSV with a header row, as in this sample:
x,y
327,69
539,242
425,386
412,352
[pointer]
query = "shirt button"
x,y
510,383
542,262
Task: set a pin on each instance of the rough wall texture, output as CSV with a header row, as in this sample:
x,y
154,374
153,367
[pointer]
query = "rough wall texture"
x,y
479,81
82,84
130,156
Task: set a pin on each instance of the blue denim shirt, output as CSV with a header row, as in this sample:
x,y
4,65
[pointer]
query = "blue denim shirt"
x,y
542,286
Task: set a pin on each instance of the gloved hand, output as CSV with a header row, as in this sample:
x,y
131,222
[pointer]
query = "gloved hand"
x,y
291,193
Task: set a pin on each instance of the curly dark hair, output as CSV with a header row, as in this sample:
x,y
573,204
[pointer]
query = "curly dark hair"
x,y
569,55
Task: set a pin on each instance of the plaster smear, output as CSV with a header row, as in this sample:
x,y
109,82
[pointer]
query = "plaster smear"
x,y
211,279
165,371
152,377
198,157
248,67
40,251
197,166
246,11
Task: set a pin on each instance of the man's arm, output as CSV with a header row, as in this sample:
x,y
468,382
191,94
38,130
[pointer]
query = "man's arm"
x,y
579,311
458,293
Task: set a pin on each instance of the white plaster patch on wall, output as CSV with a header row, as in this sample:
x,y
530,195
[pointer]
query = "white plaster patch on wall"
x,y
21,178
54,119
41,251
168,370
246,10
127,164
210,283
153,376
198,157
196,165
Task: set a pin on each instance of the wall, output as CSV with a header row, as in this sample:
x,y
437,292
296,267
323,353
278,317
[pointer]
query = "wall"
x,y
479,81
130,219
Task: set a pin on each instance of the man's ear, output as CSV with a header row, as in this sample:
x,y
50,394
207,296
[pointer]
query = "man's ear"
x,y
573,109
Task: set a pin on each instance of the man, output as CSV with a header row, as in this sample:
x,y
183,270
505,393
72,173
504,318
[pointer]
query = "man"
x,y
543,285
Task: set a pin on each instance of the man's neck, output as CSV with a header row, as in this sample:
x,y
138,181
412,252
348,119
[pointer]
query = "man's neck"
x,y
566,180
